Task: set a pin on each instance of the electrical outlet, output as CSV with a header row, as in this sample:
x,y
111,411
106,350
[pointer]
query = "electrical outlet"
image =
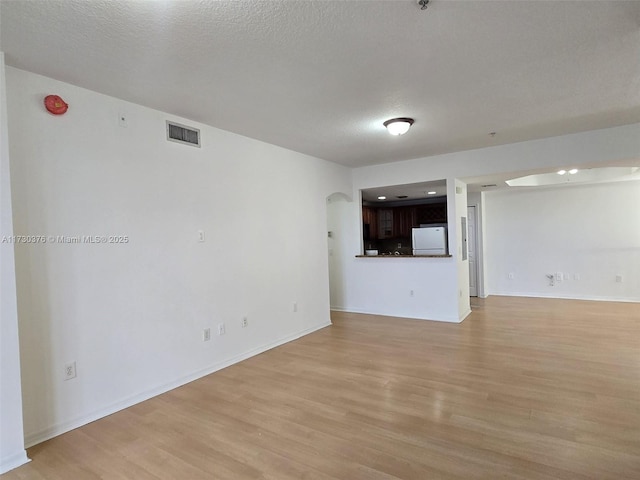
x,y
294,307
618,278
201,236
206,335
245,322
512,276
70,371
221,329
558,276
411,293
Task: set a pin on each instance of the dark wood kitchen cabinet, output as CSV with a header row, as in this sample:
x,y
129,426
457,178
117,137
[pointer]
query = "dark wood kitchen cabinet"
x,y
385,223
370,223
379,223
432,213
404,219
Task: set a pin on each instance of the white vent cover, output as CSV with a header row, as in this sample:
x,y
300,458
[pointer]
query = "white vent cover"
x,y
183,134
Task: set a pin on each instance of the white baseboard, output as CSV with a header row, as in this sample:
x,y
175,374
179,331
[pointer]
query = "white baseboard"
x,y
368,312
566,297
63,427
13,461
465,315
339,309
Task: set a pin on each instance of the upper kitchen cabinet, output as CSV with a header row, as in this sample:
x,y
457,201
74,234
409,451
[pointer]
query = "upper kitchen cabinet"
x,y
370,223
432,213
404,219
385,223
397,221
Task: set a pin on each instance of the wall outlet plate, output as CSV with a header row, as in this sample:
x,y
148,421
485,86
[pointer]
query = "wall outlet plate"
x,y
206,335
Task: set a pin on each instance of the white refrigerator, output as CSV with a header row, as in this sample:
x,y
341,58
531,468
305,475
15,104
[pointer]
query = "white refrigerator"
x,y
429,240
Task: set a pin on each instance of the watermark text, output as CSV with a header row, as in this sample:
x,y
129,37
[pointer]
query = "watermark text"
x,y
65,239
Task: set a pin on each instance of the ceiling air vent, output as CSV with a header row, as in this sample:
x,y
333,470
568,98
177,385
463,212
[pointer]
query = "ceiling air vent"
x,y
183,134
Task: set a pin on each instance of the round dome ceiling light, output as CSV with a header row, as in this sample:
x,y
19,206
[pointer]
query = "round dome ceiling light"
x,y
561,172
398,126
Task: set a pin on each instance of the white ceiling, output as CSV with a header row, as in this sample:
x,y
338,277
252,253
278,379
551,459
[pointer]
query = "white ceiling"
x,y
419,191
412,192
320,77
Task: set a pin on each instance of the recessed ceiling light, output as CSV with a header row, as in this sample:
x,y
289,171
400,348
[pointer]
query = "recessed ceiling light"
x,y
382,197
585,175
561,172
398,126
573,171
431,193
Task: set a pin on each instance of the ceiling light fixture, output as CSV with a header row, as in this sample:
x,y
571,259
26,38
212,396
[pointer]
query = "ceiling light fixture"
x,y
382,197
561,172
431,193
398,126
573,171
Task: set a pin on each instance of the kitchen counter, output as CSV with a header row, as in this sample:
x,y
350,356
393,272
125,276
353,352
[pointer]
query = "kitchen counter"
x,y
403,256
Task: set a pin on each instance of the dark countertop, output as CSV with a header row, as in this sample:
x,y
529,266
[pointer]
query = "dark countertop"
x,y
404,256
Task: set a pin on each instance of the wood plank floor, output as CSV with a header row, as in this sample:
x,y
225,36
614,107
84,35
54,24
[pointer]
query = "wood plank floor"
x,y
522,389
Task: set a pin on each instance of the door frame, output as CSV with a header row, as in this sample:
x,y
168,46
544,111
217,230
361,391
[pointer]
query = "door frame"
x,y
479,249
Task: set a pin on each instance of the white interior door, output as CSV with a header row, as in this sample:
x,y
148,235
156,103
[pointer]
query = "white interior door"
x,y
472,243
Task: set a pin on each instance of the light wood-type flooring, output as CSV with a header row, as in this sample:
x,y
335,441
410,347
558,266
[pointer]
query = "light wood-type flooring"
x,y
522,389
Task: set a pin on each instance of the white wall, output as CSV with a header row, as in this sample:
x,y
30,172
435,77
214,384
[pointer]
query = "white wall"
x,y
12,453
592,231
458,196
386,291
382,285
341,228
385,287
132,315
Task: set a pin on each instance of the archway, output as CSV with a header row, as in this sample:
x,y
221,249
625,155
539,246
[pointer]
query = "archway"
x,y
340,234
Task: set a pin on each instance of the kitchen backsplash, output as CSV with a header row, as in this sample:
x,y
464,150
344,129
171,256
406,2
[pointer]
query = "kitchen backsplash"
x,y
400,245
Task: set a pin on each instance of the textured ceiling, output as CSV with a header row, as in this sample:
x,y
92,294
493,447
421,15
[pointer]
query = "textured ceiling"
x,y
320,77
